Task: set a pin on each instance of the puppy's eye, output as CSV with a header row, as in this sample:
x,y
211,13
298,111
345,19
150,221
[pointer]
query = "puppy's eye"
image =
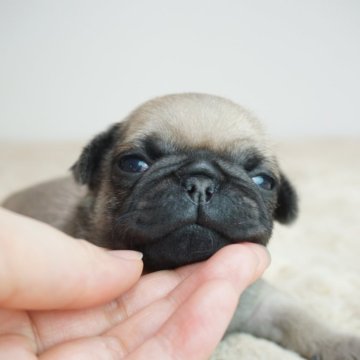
x,y
133,164
264,181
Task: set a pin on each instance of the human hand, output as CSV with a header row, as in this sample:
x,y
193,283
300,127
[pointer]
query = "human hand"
x,y
57,298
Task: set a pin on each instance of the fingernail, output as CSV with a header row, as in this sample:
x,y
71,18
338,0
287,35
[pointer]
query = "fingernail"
x,y
126,254
263,256
261,250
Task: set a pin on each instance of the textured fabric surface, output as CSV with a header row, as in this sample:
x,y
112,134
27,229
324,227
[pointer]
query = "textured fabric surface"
x,y
317,259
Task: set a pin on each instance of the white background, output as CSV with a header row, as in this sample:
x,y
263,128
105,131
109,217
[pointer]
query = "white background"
x,y
69,68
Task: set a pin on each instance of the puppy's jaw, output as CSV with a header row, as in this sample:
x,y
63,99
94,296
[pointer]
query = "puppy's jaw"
x,y
189,244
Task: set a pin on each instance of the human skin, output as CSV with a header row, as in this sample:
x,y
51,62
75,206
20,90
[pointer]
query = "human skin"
x,y
64,298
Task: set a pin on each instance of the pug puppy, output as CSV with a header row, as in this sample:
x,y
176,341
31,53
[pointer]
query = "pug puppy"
x,y
182,176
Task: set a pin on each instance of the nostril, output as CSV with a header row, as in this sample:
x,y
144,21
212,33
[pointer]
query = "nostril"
x,y
209,192
200,190
191,189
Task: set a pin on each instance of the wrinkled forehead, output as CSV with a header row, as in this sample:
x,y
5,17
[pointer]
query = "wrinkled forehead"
x,y
197,121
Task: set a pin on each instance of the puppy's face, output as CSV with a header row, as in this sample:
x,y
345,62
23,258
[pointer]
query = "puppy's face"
x,y
181,177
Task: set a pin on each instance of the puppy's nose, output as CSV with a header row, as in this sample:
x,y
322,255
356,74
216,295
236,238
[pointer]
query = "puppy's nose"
x,y
199,180
199,189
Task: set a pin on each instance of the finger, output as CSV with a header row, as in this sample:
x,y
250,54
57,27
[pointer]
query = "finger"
x,y
196,327
240,263
148,321
104,348
205,308
56,327
152,289
199,323
236,264
16,347
42,268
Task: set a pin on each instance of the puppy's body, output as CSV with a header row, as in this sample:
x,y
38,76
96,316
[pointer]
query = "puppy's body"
x,y
53,202
181,177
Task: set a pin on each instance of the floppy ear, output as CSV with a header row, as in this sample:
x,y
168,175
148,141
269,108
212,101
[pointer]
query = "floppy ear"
x,y
287,203
87,167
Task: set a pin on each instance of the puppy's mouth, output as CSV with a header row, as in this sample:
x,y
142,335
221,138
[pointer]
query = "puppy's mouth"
x,y
198,239
185,242
186,245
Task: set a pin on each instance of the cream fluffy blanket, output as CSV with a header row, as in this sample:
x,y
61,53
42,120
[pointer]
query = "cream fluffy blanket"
x,y
317,259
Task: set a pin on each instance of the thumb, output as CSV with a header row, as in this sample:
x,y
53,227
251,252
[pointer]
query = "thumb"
x,y
42,268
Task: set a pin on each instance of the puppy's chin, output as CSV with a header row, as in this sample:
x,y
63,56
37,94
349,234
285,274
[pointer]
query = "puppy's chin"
x,y
189,244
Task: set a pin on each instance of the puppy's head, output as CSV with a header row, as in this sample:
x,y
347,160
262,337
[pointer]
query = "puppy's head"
x,y
181,177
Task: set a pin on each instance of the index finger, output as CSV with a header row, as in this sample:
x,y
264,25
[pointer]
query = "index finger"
x,y
42,268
